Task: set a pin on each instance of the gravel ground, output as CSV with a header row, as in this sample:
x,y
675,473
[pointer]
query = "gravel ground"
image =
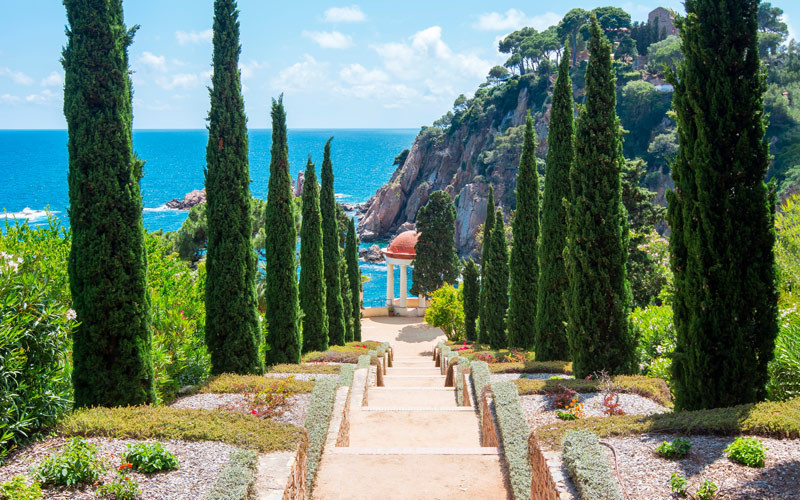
x,y
538,411
200,464
646,475
502,377
294,413
303,376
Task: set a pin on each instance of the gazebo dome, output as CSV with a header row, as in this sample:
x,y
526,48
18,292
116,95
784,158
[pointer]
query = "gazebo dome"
x,y
402,246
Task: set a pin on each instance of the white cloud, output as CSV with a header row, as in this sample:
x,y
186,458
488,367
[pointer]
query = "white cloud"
x,y
8,98
362,83
43,97
792,34
359,75
152,61
329,39
54,79
17,76
180,80
352,14
514,19
194,36
248,69
300,76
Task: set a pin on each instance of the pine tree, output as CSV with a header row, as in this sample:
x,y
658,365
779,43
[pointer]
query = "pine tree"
x,y
496,285
551,336
721,212
436,262
598,301
282,314
354,275
107,262
524,267
312,274
483,338
232,329
331,253
471,299
347,300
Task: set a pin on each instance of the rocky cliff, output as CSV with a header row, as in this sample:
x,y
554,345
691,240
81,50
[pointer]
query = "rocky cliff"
x,y
462,154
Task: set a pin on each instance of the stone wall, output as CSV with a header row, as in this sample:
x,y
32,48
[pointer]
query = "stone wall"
x,y
543,487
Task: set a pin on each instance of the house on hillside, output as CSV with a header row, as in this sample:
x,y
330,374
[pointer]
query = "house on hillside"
x,y
665,19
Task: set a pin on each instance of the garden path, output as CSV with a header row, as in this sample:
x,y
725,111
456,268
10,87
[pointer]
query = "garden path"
x,y
411,440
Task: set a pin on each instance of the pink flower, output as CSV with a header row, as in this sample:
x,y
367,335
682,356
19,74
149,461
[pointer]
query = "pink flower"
x,y
254,412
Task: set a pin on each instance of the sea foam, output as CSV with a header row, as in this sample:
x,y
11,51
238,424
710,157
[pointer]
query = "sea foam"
x,y
28,214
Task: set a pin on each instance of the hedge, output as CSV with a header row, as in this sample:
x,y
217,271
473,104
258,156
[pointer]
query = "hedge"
x,y
479,371
346,375
588,467
236,480
364,361
463,366
318,419
233,383
514,431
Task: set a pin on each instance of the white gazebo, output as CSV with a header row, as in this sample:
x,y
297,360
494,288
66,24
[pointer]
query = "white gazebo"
x,y
401,253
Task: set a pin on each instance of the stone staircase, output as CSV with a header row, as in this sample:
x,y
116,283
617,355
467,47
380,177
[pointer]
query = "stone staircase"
x,y
407,440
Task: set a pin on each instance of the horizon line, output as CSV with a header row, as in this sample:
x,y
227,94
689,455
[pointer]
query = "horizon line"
x,y
195,129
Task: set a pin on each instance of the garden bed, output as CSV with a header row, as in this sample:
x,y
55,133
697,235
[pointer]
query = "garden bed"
x,y
293,413
539,411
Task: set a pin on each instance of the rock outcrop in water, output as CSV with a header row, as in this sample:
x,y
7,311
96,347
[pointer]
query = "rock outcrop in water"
x,y
191,199
481,145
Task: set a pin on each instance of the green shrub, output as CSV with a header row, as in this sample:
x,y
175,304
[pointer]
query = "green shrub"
x,y
678,448
17,489
747,451
163,422
588,467
514,431
346,375
680,487
678,484
655,333
446,311
784,369
233,383
236,480
304,368
318,420
77,463
150,457
121,488
564,367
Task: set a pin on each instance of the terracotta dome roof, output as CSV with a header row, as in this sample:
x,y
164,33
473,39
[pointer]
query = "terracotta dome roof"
x,y
402,246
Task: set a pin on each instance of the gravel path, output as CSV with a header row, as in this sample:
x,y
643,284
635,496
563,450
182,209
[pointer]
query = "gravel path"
x,y
538,411
200,464
294,413
646,475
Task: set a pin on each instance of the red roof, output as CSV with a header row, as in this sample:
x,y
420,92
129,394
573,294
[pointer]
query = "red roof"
x,y
402,246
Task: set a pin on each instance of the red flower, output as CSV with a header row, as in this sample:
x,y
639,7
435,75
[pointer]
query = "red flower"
x,y
254,412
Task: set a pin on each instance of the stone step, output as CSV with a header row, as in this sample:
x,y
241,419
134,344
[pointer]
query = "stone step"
x,y
482,450
403,477
402,370
407,428
413,381
411,397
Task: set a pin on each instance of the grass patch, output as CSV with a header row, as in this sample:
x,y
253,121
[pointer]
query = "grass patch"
x,y
305,368
564,367
237,479
588,467
163,422
769,419
651,388
514,432
232,383
318,420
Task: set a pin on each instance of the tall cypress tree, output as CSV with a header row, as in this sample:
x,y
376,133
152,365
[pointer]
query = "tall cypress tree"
x,y
471,299
487,237
331,253
347,300
107,262
598,332
312,274
354,276
436,262
721,213
232,327
551,336
496,285
524,267
282,314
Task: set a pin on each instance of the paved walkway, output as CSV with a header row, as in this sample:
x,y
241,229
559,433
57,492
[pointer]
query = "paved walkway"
x,y
411,440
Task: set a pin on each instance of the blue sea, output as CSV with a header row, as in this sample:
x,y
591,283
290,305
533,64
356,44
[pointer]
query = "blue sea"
x,y
34,164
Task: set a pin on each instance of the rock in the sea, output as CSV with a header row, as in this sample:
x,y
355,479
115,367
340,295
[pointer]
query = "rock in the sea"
x,y
196,197
406,226
298,186
371,254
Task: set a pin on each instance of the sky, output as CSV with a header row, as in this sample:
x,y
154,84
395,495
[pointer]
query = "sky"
x,y
373,64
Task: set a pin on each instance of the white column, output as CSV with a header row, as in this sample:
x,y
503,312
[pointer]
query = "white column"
x,y
389,284
403,286
421,301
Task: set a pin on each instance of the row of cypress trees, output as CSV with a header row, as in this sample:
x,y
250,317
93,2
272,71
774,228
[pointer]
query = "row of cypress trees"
x,y
107,264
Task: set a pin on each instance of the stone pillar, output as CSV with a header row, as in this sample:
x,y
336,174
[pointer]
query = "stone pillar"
x,y
421,301
403,285
389,284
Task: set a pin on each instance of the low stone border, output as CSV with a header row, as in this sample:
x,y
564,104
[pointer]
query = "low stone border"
x,y
317,422
543,486
588,467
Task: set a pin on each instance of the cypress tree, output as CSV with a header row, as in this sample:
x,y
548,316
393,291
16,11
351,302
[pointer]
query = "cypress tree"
x,y
312,274
331,253
598,332
721,212
551,337
347,300
496,285
524,267
280,248
471,299
354,275
487,236
436,262
107,262
232,327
